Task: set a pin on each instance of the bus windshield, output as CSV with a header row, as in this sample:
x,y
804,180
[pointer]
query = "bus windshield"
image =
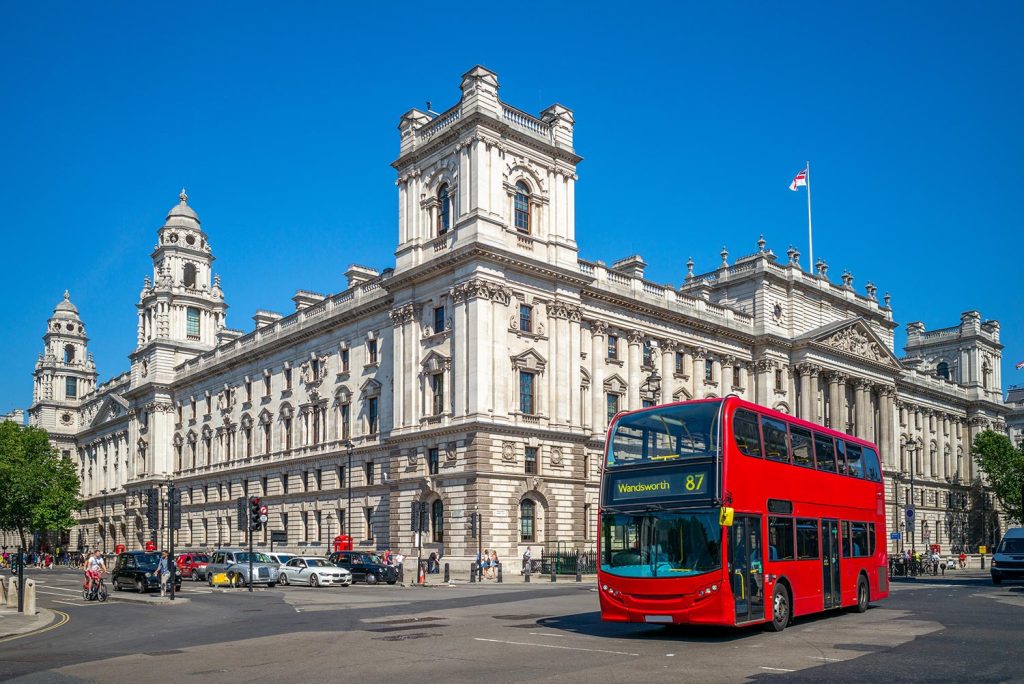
x,y
661,544
665,434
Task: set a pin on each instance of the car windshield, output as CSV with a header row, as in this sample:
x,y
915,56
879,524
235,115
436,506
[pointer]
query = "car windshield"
x,y
284,557
665,434
256,558
201,558
147,560
661,544
371,559
318,563
1013,545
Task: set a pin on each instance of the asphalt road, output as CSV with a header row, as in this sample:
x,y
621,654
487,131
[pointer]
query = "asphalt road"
x,y
947,629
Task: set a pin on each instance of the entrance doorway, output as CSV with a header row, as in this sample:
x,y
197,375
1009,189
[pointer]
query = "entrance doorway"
x,y
830,563
746,572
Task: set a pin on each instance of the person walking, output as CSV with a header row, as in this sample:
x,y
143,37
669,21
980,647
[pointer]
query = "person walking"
x,y
164,571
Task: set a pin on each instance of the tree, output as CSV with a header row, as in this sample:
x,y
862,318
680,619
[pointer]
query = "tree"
x,y
38,487
1004,465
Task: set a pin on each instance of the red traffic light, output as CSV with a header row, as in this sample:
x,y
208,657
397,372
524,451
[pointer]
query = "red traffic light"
x,y
263,510
254,501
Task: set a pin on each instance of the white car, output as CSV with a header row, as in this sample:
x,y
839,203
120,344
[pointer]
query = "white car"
x,y
315,572
280,558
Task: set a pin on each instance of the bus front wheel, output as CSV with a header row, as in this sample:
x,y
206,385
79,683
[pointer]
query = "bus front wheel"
x,y
780,609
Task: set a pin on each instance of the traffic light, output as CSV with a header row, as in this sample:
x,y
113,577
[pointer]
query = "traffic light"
x,y
152,508
415,516
474,519
175,509
257,513
243,510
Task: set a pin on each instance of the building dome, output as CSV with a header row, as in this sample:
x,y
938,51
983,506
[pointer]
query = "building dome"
x,y
65,309
181,214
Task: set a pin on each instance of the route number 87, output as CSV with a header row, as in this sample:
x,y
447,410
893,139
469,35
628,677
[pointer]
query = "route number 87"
x,y
694,482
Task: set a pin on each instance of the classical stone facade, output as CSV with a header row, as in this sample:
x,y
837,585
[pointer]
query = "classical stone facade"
x,y
479,374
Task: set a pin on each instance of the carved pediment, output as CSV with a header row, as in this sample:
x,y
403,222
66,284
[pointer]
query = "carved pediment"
x,y
615,384
112,408
529,360
435,362
859,340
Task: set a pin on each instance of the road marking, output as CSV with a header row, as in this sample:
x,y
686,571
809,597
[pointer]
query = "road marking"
x,y
545,634
64,618
828,660
78,605
565,648
777,669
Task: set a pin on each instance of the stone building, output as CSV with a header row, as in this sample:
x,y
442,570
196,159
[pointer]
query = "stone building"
x,y
480,372
1015,418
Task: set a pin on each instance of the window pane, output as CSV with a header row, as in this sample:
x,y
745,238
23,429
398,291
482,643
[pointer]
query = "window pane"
x,y
854,462
859,536
526,392
522,208
841,457
613,347
746,433
845,526
526,513
825,452
525,318
776,445
192,322
872,471
439,319
800,441
780,539
613,405
531,460
806,538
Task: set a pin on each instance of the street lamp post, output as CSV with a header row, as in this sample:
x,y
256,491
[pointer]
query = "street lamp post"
x,y
653,384
911,449
348,511
329,519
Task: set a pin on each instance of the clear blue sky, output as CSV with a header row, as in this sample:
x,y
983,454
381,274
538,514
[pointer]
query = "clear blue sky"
x,y
692,120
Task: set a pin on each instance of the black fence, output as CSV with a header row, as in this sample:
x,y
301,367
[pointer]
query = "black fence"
x,y
565,561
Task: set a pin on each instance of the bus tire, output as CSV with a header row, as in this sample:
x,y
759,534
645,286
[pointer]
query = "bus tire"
x,y
863,595
781,611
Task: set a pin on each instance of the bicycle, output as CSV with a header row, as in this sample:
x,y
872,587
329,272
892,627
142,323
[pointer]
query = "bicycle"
x,y
96,591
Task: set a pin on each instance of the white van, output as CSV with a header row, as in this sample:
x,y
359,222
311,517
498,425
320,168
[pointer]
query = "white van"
x,y
1008,560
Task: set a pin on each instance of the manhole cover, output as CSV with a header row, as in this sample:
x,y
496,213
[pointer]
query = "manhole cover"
x,y
406,637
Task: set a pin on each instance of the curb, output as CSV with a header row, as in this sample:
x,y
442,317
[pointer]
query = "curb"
x,y
44,614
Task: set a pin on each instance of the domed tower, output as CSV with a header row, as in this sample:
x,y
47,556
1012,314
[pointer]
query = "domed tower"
x,y
64,373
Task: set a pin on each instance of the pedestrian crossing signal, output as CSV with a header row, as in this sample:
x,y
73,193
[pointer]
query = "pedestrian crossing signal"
x,y
256,511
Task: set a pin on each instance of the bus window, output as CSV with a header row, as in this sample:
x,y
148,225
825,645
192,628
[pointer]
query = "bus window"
x,y
859,535
825,451
841,457
871,539
846,538
776,445
872,471
780,539
806,538
746,433
800,441
854,462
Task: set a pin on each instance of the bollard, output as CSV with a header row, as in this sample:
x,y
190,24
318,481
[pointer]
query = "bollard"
x,y
401,574
12,593
472,573
499,573
447,574
554,577
579,571
30,596
526,573
982,561
3,591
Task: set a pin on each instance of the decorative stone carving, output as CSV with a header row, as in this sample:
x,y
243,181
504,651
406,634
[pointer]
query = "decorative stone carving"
x,y
556,456
449,453
508,452
854,341
635,337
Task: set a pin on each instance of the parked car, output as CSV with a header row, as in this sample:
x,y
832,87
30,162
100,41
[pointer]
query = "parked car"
x,y
315,572
280,558
235,563
364,567
138,570
1008,559
193,565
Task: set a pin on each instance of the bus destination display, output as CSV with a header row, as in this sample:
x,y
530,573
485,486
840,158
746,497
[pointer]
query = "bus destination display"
x,y
664,484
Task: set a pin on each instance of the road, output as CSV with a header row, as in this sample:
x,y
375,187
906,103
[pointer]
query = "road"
x,y
955,629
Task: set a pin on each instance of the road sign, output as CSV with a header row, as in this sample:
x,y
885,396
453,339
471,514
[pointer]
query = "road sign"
x,y
910,513
895,536
278,536
263,519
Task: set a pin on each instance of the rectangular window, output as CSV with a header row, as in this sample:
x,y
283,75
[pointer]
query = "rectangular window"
x,y
531,460
263,485
612,401
344,360
433,461
71,388
806,539
284,483
736,375
346,413
679,362
526,318
709,370
613,347
860,539
648,355
266,385
287,378
841,458
369,472
369,523
778,379
825,452
371,415
854,461
437,389
179,413
844,526
287,423
248,390
341,477
780,539
438,319
209,404
526,396
371,350
872,470
800,442
193,402
319,479
192,323
776,445
284,524
647,403
746,433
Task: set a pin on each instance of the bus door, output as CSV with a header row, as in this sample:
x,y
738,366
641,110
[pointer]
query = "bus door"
x,y
746,573
830,562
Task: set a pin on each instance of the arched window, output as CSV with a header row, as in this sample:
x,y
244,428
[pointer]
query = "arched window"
x,y
527,512
190,275
437,520
69,354
522,207
444,211
942,370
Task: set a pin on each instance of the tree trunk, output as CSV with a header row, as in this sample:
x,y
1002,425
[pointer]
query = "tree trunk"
x,y
21,533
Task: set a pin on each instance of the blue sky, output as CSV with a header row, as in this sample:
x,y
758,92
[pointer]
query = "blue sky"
x,y
692,118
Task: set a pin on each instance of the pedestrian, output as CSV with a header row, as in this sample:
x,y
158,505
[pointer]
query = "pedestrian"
x,y
164,571
963,560
495,563
485,564
527,557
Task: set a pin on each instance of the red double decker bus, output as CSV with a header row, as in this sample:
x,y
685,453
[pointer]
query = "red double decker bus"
x,y
723,512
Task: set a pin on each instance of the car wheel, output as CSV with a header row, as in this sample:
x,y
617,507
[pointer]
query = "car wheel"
x,y
237,581
371,578
271,585
209,579
863,596
997,579
283,579
392,581
85,594
780,609
195,575
314,581
140,586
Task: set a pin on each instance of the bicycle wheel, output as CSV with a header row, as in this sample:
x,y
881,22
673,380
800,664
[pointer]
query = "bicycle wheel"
x,y
101,593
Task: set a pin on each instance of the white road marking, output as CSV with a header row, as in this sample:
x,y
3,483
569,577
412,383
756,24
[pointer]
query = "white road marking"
x,y
828,660
777,669
566,648
546,634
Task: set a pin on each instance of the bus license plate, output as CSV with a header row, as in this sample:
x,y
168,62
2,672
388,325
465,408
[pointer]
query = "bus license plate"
x,y
660,619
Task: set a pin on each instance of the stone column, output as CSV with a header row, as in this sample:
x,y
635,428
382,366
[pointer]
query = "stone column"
x,y
716,376
744,380
834,401
860,409
459,339
764,368
598,330
562,398
948,457
635,339
697,358
885,420
668,370
500,355
727,375
575,412
805,371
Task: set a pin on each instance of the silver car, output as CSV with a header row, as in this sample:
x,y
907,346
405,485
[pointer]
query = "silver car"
x,y
235,563
315,572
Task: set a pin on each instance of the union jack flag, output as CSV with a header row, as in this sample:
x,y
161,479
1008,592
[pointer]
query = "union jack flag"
x,y
801,179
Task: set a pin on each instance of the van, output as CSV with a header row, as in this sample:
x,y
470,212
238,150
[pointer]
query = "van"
x,y
1008,560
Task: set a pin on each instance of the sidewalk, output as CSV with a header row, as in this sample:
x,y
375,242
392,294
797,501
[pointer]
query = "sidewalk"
x,y
968,574
13,623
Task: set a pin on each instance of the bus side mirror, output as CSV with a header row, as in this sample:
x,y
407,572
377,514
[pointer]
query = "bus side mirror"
x,y
725,515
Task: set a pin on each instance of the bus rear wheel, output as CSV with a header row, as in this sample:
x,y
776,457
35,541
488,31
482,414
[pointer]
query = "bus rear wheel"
x,y
780,609
863,597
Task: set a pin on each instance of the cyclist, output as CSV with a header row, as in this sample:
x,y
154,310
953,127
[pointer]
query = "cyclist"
x,y
94,567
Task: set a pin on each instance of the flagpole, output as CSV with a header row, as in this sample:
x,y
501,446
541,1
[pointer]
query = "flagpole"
x,y
810,234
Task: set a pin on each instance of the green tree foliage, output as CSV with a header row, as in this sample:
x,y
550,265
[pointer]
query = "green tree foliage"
x,y
1003,463
38,487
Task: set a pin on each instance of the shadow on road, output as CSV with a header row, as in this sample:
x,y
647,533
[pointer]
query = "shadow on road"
x,y
590,624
